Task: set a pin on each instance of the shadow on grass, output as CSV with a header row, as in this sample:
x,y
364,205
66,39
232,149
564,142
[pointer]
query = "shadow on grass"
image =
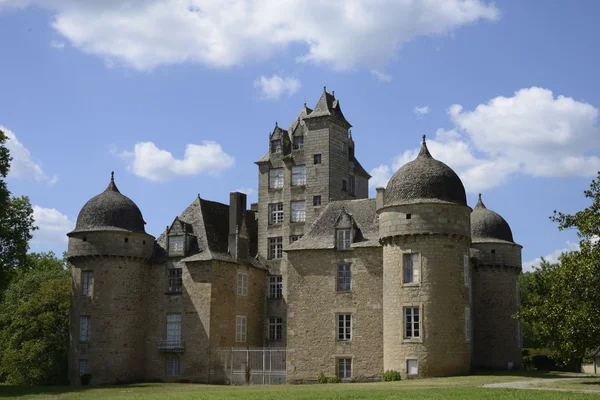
x,y
527,374
13,391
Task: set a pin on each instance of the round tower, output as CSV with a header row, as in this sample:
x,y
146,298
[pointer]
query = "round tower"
x,y
109,250
496,266
424,228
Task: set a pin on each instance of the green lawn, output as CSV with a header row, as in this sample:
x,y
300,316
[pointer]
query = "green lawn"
x,y
464,387
575,384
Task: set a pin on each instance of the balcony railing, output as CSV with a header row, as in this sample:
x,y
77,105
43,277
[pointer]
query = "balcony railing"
x,y
171,346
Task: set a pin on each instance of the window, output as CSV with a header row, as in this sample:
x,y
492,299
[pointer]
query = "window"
x,y
412,323
412,367
242,287
299,175
86,283
276,178
344,368
275,328
240,328
275,247
173,366
344,185
344,327
408,216
174,280
294,238
275,213
173,329
343,278
468,323
343,147
298,211
276,146
351,185
316,201
298,142
316,158
343,239
83,367
275,287
411,268
176,245
466,268
84,328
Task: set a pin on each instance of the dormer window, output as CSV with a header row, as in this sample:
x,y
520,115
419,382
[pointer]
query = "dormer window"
x,y
298,142
276,146
343,239
176,245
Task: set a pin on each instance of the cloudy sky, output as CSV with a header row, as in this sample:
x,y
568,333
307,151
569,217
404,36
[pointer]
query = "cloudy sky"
x,y
178,98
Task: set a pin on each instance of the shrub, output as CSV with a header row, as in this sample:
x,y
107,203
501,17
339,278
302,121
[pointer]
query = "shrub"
x,y
322,378
390,375
334,379
85,379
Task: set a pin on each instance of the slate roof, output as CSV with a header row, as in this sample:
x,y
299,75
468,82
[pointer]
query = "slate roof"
x,y
328,106
110,210
488,226
321,234
425,180
303,114
359,170
209,222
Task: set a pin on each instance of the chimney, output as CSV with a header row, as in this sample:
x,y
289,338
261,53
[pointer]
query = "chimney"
x,y
379,198
238,236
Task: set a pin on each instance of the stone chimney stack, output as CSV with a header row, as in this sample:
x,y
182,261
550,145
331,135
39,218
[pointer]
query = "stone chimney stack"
x,y
379,198
238,235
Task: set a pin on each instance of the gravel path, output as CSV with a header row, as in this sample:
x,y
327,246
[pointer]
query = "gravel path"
x,y
533,385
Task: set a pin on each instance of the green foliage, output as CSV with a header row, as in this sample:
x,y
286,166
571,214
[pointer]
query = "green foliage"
x,y
333,379
562,300
390,375
326,379
34,316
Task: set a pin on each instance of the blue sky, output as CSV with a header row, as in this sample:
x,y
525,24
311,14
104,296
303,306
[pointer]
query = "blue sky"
x,y
178,98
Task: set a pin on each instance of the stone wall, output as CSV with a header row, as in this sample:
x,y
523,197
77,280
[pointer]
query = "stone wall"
x,y
495,301
313,305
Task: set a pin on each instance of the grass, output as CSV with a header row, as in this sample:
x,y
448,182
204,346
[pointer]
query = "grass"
x,y
462,387
574,384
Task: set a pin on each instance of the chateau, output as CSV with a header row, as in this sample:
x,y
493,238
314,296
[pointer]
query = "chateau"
x,y
315,278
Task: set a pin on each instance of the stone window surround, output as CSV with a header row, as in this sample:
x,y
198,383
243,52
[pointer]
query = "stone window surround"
x,y
276,178
242,283
337,326
297,212
419,339
411,358
275,213
420,264
337,366
86,283
299,175
337,277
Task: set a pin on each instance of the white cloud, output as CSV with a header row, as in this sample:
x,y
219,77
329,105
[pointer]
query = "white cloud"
x,y
381,76
149,162
551,257
275,86
53,226
22,165
223,33
250,192
532,133
57,45
420,111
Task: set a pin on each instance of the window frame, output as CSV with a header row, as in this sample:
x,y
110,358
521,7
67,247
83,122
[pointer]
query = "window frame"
x,y
85,329
275,328
275,247
298,214
174,280
317,159
276,178
86,283
173,366
317,201
343,243
298,142
408,332
415,272
408,360
276,146
347,370
176,248
295,238
344,327
275,287
241,328
173,333
275,213
466,269
468,325
344,272
352,185
299,178
242,283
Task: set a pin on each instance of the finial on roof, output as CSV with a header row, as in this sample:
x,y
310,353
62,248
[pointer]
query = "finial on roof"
x,y
480,203
112,187
324,88
479,196
424,151
333,93
424,137
304,104
276,124
112,176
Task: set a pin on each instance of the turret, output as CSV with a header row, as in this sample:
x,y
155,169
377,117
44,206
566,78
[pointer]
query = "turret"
x,y
425,231
496,265
109,250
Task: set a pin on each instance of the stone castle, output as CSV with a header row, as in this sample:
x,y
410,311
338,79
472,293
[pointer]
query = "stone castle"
x,y
413,280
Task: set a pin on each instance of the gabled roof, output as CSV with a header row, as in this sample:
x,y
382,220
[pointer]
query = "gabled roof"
x,y
303,114
321,234
208,223
328,106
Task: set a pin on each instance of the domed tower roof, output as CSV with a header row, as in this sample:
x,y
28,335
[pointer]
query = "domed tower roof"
x,y
488,226
110,210
425,180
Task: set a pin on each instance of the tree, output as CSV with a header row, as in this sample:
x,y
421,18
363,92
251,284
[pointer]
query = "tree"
x,y
16,222
563,299
34,316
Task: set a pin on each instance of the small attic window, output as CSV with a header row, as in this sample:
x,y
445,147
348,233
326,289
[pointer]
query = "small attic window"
x,y
343,239
276,146
298,142
176,245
